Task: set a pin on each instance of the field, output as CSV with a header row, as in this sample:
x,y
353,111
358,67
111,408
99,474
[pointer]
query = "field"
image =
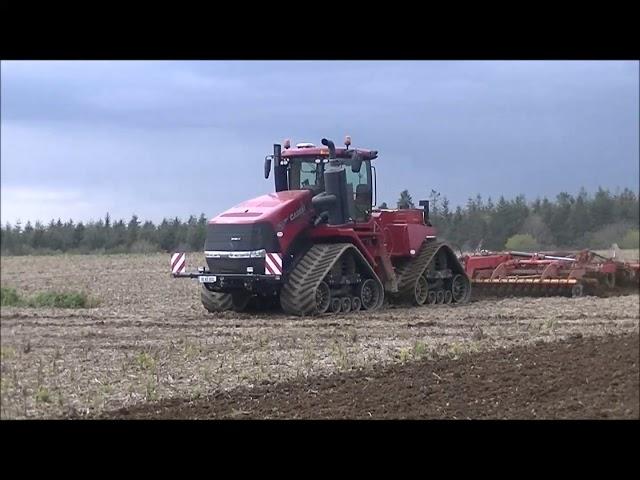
x,y
149,350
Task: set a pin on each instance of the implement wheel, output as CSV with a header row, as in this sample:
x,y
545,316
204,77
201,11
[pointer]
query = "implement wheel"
x,y
577,290
610,280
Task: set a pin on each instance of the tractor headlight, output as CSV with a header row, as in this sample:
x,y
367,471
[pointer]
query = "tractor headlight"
x,y
259,253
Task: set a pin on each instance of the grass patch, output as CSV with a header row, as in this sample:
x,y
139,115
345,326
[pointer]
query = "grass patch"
x,y
550,323
43,396
11,298
62,300
416,352
7,353
455,350
404,355
151,393
419,349
340,356
145,361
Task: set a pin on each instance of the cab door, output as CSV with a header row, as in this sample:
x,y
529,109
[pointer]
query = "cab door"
x,y
359,185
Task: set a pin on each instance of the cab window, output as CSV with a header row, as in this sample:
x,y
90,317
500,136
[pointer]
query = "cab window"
x,y
305,175
359,185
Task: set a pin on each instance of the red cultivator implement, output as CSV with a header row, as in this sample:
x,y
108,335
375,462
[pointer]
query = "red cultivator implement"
x,y
545,274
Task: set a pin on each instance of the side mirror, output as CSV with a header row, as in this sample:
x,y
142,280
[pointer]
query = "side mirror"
x,y
425,213
267,166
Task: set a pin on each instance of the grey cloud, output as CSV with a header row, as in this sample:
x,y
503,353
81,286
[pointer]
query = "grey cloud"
x,y
140,130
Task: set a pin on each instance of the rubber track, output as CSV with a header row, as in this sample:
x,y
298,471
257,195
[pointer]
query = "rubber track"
x,y
409,272
215,301
298,295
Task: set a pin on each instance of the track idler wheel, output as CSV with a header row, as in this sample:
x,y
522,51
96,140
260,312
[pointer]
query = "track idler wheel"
x,y
421,291
323,298
336,305
431,297
356,304
448,297
369,294
346,305
460,289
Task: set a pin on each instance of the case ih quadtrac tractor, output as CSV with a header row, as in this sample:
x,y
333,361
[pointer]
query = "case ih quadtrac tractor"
x,y
317,245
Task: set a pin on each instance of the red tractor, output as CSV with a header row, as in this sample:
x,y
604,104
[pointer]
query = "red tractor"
x,y
318,244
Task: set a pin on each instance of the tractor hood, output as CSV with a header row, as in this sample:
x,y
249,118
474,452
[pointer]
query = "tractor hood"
x,y
270,222
278,209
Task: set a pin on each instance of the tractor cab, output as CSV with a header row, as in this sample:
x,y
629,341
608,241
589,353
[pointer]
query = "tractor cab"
x,y
305,166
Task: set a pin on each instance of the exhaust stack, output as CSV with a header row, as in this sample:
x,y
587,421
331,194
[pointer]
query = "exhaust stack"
x,y
335,199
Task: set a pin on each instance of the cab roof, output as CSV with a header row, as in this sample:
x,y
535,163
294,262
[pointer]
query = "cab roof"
x,y
324,152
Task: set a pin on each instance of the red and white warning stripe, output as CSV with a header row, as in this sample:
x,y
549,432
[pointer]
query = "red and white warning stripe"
x,y
273,264
178,263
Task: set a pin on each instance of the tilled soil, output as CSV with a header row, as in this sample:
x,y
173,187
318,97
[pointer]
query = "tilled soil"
x,y
151,340
582,378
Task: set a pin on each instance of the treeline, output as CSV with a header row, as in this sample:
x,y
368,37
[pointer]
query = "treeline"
x,y
104,236
581,221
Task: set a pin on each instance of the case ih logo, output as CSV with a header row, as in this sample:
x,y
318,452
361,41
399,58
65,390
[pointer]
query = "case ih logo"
x,y
273,264
297,213
178,263
291,217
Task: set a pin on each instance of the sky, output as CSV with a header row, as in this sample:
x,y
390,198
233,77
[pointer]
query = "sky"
x,y
173,138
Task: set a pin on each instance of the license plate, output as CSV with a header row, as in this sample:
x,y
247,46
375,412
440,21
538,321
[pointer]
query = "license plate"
x,y
208,279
